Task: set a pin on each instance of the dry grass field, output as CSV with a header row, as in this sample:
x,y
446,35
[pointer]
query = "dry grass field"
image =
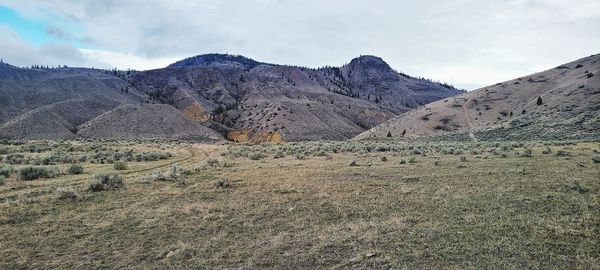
x,y
334,205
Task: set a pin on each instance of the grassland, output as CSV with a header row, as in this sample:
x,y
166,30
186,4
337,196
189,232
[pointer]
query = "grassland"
x,y
375,204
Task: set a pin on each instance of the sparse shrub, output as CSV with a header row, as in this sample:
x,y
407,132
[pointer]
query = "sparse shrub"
x,y
402,161
175,175
212,162
527,153
410,179
562,153
256,156
152,156
581,189
105,181
65,193
383,158
547,151
16,158
2,180
463,159
222,183
321,153
75,169
5,171
412,160
35,172
353,163
120,165
227,164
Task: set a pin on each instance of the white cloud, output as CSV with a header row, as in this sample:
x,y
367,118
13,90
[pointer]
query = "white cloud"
x,y
125,60
467,42
16,51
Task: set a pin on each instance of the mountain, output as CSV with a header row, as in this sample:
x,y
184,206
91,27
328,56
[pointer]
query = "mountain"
x,y
217,60
148,120
239,98
563,102
246,100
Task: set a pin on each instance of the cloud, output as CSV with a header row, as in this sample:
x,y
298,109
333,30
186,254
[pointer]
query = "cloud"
x,y
126,61
437,39
16,51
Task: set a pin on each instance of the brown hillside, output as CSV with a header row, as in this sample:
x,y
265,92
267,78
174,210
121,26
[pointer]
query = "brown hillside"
x,y
569,108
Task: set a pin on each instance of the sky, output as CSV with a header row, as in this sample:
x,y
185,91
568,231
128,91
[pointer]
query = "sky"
x,y
468,43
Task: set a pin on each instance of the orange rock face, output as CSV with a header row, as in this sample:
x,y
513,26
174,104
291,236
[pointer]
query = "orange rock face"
x,y
259,137
197,113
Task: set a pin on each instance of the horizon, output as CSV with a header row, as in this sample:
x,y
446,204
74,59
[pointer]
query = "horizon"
x,y
432,39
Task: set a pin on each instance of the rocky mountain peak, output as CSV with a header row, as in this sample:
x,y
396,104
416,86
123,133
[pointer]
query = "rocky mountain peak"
x,y
217,60
369,62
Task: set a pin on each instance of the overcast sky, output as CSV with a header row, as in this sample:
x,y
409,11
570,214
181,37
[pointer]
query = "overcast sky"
x,y
469,43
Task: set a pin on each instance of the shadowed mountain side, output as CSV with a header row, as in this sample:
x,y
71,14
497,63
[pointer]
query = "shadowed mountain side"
x,y
55,121
22,90
146,121
563,102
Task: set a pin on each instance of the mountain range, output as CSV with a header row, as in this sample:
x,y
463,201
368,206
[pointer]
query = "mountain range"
x,y
209,97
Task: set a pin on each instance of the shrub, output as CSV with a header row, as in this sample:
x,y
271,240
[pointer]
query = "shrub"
x,y
279,154
16,158
65,193
5,171
596,158
463,159
75,169
35,172
412,160
300,156
547,151
321,154
410,179
527,153
175,175
402,161
212,162
120,165
2,180
256,156
222,183
353,163
562,153
383,158
152,156
105,181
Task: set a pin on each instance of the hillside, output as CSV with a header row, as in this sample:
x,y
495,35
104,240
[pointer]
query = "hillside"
x,y
240,98
150,121
247,100
563,102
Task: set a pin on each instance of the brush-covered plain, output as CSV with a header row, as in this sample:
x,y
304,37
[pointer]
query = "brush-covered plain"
x,y
363,204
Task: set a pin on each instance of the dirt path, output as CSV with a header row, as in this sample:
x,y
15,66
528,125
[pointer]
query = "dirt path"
x,y
468,120
36,188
